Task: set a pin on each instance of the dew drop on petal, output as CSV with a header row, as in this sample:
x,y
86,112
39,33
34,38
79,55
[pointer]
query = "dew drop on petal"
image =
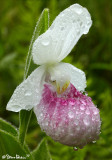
x,y
28,107
82,107
71,102
78,10
77,112
45,42
46,123
87,112
85,30
41,115
94,141
88,23
95,111
28,93
78,31
62,131
86,121
62,28
62,14
86,94
76,122
75,148
71,114
37,91
93,118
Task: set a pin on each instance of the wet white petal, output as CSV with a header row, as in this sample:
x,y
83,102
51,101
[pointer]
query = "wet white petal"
x,y
65,72
28,93
57,42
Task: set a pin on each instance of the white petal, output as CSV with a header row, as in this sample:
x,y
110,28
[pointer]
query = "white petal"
x,y
65,71
28,93
57,42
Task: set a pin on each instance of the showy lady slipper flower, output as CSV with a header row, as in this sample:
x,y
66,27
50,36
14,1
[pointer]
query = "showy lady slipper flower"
x,y
55,89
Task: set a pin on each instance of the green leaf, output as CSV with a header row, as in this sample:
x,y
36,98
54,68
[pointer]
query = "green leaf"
x,y
10,146
10,129
42,152
41,26
6,126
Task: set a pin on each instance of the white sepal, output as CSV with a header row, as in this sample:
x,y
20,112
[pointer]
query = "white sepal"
x,y
28,93
57,42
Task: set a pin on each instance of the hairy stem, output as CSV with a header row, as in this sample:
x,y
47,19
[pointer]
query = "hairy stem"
x,y
25,116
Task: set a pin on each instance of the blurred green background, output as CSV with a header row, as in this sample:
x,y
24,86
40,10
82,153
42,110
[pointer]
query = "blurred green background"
x,y
92,54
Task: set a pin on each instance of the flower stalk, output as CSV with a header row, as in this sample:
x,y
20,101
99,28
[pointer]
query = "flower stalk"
x,y
25,116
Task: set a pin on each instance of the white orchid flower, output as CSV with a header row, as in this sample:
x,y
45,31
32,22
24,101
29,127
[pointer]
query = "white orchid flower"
x,y
50,87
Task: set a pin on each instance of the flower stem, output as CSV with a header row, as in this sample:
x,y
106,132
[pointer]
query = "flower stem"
x,y
24,119
25,116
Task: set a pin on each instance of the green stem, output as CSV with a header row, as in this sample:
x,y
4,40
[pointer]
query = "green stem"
x,y
25,116
24,119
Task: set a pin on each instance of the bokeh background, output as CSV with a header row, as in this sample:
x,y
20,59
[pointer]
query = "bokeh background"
x,y
92,54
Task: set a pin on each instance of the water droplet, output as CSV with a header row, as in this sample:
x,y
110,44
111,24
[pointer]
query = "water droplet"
x,y
94,141
28,93
62,131
82,107
22,89
62,14
88,23
37,91
83,102
88,17
78,10
64,103
86,121
77,112
74,107
41,115
62,28
86,29
76,122
72,102
93,118
45,42
87,112
71,114
95,111
75,148
28,107
86,94
78,31
46,123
